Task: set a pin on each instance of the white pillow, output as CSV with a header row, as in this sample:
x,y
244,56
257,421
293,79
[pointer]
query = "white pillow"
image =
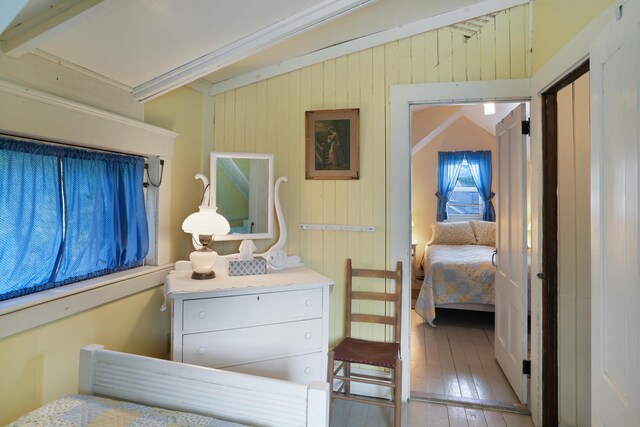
x,y
452,233
485,232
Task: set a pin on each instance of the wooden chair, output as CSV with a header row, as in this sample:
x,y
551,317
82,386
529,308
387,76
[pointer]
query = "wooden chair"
x,y
381,354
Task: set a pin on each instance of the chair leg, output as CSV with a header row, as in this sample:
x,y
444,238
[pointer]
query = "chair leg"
x,y
347,373
398,394
330,368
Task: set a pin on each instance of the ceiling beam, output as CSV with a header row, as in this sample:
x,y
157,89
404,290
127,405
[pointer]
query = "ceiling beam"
x,y
9,9
482,8
32,33
320,13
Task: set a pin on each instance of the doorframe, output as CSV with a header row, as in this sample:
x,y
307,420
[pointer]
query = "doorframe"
x,y
399,223
549,282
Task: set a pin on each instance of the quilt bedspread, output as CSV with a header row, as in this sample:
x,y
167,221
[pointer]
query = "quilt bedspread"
x,y
456,274
77,410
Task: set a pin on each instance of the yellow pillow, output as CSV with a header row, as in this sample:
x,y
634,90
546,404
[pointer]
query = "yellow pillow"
x,y
452,233
485,232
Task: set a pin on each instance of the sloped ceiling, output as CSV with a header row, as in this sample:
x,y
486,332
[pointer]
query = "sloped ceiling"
x,y
153,46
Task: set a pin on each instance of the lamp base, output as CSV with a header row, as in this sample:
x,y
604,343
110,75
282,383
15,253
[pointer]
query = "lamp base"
x,y
203,276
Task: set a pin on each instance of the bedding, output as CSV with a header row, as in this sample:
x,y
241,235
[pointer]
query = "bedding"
x,y
79,410
456,274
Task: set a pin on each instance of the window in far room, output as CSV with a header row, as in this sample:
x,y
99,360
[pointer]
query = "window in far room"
x,y
465,202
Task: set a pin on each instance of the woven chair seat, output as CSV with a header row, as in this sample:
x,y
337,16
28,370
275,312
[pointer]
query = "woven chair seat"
x,y
373,353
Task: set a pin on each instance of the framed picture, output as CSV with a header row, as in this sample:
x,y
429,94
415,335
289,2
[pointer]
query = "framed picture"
x,y
332,144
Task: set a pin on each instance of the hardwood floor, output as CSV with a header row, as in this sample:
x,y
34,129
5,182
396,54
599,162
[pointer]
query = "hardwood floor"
x,y
422,414
457,362
456,358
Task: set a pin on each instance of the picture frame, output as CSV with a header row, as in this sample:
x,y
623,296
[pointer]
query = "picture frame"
x,y
332,147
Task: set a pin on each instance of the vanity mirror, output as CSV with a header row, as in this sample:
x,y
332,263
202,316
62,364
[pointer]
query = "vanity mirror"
x,y
241,186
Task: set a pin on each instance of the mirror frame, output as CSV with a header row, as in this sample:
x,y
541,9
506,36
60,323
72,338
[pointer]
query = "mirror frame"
x,y
215,155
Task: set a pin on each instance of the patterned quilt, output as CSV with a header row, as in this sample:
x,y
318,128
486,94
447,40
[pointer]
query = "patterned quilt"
x,y
98,412
456,274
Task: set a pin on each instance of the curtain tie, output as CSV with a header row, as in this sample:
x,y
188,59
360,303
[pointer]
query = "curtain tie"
x,y
490,197
441,197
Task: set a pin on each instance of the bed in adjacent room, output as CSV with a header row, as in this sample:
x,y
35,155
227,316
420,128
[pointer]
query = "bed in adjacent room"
x,y
119,389
458,268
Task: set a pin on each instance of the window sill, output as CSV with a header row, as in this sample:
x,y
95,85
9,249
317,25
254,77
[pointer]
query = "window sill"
x,y
22,313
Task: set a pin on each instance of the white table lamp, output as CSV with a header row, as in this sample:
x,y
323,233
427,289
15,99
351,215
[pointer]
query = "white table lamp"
x,y
205,224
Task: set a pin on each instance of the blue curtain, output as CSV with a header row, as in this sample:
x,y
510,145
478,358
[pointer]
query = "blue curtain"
x,y
449,164
66,215
480,167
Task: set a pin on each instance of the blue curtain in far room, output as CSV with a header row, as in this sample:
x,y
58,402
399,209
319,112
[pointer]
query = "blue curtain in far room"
x,y
449,164
66,215
480,167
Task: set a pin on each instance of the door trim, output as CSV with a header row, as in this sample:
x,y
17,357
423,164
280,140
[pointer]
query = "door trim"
x,y
399,219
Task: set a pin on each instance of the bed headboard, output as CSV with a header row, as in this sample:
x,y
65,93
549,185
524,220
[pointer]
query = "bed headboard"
x,y
222,394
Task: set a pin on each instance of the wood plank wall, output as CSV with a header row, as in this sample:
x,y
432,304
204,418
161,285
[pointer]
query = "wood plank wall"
x,y
268,117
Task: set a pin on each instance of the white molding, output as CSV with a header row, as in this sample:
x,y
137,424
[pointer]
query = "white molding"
x,y
402,96
22,117
9,9
200,85
23,313
437,131
366,42
233,52
55,20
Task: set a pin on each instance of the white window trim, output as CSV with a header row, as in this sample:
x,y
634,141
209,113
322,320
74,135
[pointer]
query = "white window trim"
x,y
31,112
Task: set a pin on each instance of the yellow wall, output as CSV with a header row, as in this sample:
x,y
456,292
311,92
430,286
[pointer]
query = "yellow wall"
x,y
181,112
556,22
268,117
463,135
41,364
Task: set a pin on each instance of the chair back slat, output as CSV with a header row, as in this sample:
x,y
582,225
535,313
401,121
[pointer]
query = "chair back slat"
x,y
372,296
373,318
392,297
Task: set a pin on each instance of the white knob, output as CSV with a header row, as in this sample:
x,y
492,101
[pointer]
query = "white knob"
x,y
202,314
308,303
307,371
202,350
308,335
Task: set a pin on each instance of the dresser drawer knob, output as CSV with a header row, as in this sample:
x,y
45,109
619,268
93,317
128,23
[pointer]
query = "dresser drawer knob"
x,y
308,335
202,350
202,314
307,370
308,303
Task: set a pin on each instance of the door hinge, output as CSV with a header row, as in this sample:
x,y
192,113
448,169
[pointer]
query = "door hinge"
x,y
526,367
526,127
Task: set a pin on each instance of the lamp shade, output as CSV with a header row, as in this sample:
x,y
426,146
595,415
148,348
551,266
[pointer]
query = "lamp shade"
x,y
206,222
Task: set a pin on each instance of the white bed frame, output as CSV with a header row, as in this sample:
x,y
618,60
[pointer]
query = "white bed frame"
x,y
229,396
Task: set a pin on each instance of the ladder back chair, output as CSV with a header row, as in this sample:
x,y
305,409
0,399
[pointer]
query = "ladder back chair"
x,y
381,354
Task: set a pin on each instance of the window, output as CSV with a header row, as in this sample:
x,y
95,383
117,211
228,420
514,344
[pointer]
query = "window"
x,y
67,215
465,202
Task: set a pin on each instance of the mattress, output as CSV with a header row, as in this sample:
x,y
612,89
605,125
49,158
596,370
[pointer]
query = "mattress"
x,y
77,410
456,274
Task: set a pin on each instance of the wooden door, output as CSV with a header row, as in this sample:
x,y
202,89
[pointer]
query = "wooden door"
x,y
511,271
615,340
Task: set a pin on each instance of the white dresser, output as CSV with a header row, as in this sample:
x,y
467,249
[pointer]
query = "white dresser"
x,y
274,325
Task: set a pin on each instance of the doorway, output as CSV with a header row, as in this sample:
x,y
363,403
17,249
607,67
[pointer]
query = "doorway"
x,y
455,362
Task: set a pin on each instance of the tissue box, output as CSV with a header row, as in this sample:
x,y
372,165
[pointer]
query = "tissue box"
x,y
239,267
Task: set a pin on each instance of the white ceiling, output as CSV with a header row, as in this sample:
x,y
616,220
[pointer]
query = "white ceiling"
x,y
153,46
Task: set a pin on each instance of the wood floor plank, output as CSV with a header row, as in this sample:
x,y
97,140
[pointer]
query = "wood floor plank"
x,y
463,370
457,416
514,420
494,419
358,414
378,416
340,413
475,418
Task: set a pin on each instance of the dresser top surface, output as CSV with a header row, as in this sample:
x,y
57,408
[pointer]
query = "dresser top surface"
x,y
179,283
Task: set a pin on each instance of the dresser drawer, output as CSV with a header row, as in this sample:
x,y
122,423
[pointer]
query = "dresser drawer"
x,y
300,369
247,345
214,314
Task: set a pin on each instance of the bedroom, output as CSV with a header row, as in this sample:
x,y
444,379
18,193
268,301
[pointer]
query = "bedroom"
x,y
445,369
28,357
